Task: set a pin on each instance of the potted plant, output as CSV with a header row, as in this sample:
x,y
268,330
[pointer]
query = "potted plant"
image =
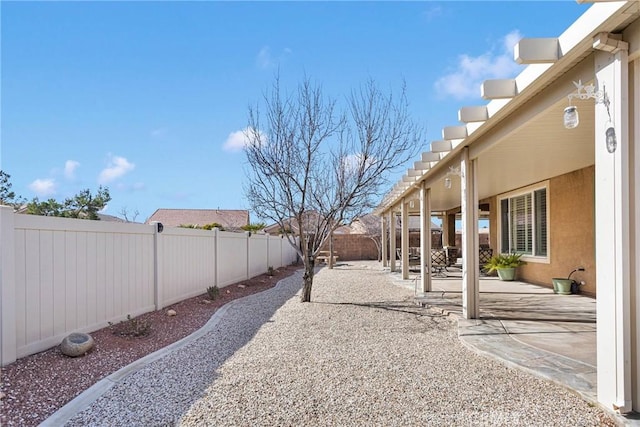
x,y
505,265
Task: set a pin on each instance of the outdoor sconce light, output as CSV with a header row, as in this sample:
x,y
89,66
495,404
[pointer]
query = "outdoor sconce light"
x,y
571,118
612,142
452,171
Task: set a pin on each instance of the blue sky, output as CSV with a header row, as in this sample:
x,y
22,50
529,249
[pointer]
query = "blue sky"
x,y
149,98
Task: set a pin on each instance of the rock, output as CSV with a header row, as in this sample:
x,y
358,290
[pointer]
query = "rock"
x,y
206,301
76,344
242,286
171,313
2,395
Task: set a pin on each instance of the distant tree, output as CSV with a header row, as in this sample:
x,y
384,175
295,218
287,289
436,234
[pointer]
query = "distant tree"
x,y
8,197
371,227
312,168
203,227
83,205
258,226
124,213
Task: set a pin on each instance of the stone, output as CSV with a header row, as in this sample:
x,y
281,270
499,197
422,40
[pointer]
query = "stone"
x,y
242,286
76,344
171,313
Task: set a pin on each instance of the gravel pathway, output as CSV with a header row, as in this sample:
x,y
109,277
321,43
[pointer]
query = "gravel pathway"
x,y
361,354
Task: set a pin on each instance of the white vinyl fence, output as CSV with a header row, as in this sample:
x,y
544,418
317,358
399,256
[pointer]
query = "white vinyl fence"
x,y
60,275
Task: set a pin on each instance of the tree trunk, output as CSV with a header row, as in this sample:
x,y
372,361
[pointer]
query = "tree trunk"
x,y
330,262
307,278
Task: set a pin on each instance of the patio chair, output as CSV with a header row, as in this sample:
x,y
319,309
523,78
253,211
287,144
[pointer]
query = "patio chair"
x,y
414,257
438,261
452,256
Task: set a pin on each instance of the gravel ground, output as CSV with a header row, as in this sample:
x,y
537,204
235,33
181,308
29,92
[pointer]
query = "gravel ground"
x,y
34,387
361,354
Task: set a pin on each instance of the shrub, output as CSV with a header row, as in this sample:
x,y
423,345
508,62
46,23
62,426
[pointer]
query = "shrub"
x,y
131,327
499,261
203,227
213,292
212,226
270,271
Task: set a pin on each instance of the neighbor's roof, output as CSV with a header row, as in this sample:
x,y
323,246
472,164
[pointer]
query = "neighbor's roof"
x,y
177,217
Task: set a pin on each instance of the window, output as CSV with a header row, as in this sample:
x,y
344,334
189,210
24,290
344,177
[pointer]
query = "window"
x,y
523,223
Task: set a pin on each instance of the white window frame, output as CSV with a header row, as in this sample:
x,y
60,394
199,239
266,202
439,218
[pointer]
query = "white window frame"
x,y
521,192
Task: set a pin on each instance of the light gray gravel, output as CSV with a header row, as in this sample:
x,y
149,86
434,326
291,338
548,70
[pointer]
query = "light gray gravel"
x,y
362,353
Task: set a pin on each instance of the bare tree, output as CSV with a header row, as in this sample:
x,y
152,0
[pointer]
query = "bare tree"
x,y
124,213
312,167
370,226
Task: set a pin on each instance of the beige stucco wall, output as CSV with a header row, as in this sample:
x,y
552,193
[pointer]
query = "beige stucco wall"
x,y
571,199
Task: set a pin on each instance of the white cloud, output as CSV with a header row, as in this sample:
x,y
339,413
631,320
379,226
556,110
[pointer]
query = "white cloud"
x,y
70,167
43,187
266,60
117,167
471,71
236,141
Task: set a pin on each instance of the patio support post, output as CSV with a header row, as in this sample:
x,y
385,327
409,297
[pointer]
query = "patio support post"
x,y
404,239
635,237
392,240
445,230
383,241
425,237
470,244
613,248
449,229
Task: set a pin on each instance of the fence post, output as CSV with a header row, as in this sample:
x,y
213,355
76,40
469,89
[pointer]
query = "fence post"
x,y
215,258
268,244
8,350
248,234
157,282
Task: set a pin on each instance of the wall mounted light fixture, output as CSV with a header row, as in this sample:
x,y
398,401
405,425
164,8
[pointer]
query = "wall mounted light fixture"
x,y
571,117
452,171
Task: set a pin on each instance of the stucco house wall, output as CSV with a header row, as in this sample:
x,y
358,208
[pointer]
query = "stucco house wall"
x,y
571,231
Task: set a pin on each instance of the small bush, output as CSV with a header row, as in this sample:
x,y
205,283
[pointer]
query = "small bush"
x,y
131,327
270,271
212,226
213,292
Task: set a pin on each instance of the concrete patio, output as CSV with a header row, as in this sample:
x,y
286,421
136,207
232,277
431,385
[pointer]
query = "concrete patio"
x,y
524,325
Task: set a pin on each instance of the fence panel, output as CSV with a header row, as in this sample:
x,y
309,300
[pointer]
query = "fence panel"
x,y
231,258
61,270
186,263
275,251
290,254
258,254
